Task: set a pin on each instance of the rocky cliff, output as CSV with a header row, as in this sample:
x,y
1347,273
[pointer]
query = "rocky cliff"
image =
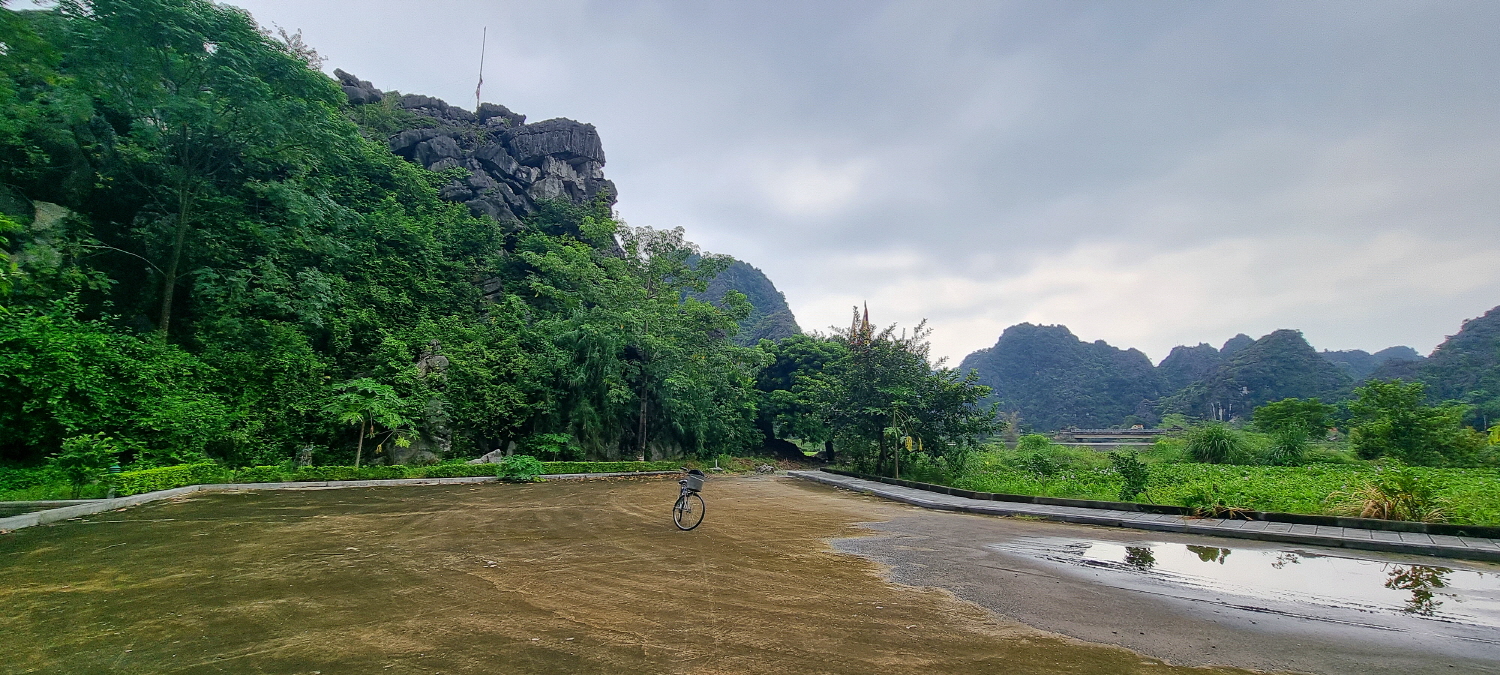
x,y
507,166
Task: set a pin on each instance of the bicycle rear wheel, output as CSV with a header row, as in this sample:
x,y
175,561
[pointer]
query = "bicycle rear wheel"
x,y
688,511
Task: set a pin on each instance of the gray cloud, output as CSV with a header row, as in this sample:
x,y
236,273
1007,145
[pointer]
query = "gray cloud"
x,y
1149,174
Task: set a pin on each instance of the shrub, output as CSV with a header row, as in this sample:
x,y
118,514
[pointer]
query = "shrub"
x,y
85,459
1039,463
458,470
1213,444
262,474
168,477
1033,443
1395,494
1134,474
519,468
1210,501
1288,448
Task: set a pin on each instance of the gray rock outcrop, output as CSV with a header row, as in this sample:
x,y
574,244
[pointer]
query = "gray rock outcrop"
x,y
508,166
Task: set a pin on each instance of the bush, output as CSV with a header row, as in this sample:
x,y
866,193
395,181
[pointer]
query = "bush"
x,y
1133,474
85,459
1288,448
1213,444
519,468
168,477
458,470
1033,443
1040,463
1397,493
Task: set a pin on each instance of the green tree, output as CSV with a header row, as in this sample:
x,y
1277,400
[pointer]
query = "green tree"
x,y
885,395
1310,417
368,404
85,459
1391,419
205,98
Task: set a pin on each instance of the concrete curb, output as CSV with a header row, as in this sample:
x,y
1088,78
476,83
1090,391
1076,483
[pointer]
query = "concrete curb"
x,y
1465,548
92,506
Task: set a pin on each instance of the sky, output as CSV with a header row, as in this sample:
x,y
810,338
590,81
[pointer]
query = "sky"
x,y
1148,173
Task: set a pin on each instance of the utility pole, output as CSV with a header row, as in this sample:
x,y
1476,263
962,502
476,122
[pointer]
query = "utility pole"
x,y
483,42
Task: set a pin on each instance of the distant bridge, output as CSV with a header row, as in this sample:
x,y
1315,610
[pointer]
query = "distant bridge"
x,y
1109,436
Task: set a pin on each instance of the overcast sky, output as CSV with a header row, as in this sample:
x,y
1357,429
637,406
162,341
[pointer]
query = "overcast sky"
x,y
1149,173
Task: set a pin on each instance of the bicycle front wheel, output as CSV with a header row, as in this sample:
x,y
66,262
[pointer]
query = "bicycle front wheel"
x,y
688,511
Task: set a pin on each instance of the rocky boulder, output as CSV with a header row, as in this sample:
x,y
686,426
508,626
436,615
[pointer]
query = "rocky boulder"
x,y
360,92
559,138
511,165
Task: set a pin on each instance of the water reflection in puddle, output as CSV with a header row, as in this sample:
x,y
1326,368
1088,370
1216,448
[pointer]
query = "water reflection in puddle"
x,y
1291,576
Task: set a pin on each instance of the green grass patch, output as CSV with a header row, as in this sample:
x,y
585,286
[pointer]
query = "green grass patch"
x,y
1467,496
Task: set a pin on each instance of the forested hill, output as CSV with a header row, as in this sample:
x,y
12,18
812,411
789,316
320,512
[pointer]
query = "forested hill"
x,y
769,319
1054,380
1465,367
211,250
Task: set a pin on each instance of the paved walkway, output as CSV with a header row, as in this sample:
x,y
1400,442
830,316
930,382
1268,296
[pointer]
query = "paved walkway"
x,y
1313,535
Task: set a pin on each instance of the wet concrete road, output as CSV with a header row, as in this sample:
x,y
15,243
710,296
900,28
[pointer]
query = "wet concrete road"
x,y
1177,597
593,577
566,577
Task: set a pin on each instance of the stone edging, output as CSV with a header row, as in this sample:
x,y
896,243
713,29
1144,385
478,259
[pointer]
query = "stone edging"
x,y
1468,548
1270,516
92,506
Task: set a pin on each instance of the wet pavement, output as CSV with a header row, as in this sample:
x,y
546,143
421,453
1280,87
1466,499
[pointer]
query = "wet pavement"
x,y
1205,600
1467,548
1316,584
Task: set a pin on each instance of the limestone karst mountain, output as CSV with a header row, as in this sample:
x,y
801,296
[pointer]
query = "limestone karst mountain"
x,y
509,166
771,318
1054,380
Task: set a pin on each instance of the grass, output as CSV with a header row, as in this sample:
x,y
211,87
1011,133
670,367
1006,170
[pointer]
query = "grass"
x,y
1335,484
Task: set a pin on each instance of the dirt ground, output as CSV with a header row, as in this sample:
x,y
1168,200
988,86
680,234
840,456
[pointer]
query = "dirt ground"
x,y
581,577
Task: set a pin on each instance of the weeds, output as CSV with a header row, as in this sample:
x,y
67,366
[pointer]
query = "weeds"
x,y
1209,501
1394,494
1213,444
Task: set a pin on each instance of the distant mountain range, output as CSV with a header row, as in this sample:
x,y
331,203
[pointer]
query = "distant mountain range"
x,y
1054,380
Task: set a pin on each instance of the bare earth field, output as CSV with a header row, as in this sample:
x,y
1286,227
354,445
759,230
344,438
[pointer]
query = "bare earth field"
x,y
554,577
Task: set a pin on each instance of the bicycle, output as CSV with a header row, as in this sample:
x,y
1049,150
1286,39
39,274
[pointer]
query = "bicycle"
x,y
687,512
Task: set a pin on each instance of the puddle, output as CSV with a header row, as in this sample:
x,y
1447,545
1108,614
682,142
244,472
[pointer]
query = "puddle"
x,y
1288,576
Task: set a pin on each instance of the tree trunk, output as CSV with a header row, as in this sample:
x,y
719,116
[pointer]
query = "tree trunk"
x,y
360,449
880,455
169,284
640,455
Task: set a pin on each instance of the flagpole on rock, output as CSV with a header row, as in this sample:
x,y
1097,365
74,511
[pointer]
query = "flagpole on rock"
x,y
483,41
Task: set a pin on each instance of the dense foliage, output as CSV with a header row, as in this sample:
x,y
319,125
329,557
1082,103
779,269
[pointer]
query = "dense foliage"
x,y
875,394
1465,368
209,255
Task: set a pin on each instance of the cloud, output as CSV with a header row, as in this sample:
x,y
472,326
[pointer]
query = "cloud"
x,y
1148,174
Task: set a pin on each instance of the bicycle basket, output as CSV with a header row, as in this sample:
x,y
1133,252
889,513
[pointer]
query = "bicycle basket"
x,y
694,483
